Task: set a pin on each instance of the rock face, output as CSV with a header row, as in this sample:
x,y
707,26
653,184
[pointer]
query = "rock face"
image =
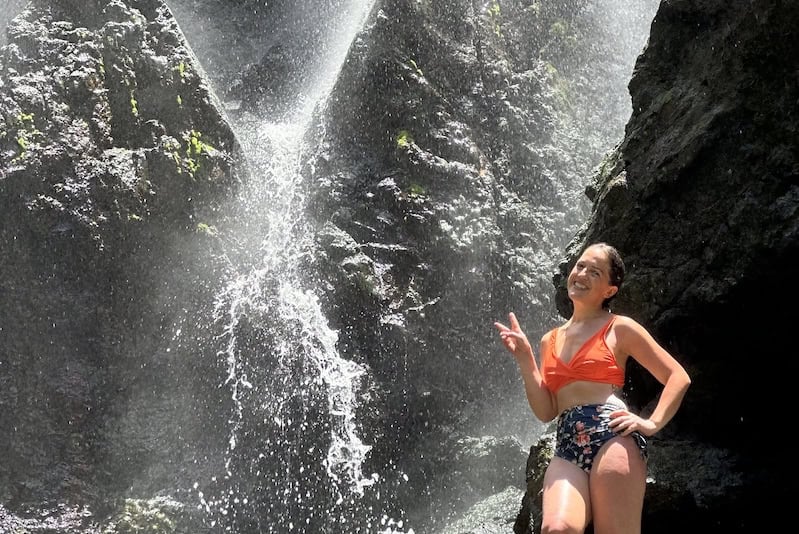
x,y
114,161
10,9
700,195
446,180
702,199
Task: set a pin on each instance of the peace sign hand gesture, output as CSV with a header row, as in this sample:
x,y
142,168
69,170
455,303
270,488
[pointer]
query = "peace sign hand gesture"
x,y
514,339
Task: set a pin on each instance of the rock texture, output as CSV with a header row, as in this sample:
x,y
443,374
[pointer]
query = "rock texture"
x,y
702,198
449,175
114,161
11,8
700,195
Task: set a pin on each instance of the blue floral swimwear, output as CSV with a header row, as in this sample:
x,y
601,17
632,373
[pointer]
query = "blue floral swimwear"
x,y
583,429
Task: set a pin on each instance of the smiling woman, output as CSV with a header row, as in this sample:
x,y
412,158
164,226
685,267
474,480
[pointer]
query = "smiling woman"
x,y
598,472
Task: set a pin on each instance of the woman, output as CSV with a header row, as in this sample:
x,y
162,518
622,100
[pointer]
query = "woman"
x,y
598,471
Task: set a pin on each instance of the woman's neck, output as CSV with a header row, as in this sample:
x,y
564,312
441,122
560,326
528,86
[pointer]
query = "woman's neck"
x,y
586,314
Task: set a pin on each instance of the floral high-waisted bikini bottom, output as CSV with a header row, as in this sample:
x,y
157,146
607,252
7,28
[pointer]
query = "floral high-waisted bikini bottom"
x,y
583,429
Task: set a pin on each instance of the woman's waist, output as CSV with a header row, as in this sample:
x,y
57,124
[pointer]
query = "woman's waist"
x,y
583,393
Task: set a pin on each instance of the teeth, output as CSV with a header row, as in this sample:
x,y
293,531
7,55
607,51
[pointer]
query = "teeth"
x,y
579,285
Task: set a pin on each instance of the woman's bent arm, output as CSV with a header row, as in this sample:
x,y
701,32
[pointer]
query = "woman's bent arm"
x,y
541,400
636,341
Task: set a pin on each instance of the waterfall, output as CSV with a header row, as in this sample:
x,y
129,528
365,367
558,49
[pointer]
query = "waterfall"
x,y
292,393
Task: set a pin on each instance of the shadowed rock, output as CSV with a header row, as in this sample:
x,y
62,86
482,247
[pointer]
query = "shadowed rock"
x,y
114,161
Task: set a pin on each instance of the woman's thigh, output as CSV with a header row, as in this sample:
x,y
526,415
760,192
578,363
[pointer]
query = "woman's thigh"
x,y
617,487
566,499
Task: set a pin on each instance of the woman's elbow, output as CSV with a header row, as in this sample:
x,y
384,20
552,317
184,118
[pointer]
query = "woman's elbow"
x,y
683,378
548,418
545,416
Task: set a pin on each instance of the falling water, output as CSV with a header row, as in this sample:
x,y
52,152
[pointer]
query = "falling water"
x,y
292,393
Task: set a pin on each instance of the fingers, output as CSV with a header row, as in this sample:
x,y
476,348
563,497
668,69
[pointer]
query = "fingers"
x,y
510,334
513,338
620,422
514,323
625,423
508,337
501,327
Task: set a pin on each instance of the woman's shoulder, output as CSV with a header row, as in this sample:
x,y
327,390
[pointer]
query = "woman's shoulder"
x,y
549,334
625,325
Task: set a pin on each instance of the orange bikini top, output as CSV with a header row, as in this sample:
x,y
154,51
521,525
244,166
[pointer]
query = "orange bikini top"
x,y
593,362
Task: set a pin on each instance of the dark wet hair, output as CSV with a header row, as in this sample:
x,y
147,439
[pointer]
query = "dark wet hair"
x,y
617,268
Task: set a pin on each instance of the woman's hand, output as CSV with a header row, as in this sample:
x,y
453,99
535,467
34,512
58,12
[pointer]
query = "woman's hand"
x,y
541,400
625,423
514,339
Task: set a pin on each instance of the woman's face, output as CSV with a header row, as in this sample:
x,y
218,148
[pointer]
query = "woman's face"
x,y
589,279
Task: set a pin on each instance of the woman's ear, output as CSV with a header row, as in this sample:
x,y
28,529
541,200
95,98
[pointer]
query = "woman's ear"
x,y
612,290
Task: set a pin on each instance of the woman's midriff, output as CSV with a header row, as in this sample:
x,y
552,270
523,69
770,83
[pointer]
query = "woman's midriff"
x,y
583,392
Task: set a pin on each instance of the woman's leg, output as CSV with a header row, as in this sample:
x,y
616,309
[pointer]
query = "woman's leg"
x,y
617,486
566,501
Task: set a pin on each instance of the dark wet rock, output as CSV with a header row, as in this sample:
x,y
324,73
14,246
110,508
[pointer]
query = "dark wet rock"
x,y
158,515
486,464
448,176
11,8
114,161
493,515
702,199
267,84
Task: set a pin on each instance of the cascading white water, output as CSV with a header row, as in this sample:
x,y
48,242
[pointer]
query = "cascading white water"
x,y
272,231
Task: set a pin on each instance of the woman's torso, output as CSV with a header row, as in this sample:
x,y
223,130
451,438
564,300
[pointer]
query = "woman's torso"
x,y
571,343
